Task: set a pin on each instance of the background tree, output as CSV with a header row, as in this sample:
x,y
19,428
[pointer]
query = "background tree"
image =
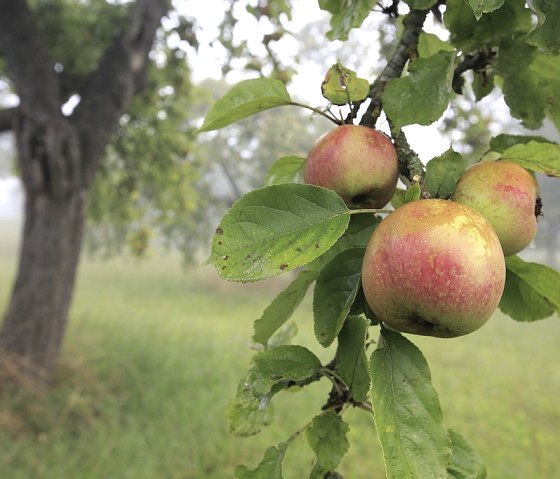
x,y
59,156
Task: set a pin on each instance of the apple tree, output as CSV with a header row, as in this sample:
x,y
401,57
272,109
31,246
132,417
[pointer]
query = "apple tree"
x,y
433,261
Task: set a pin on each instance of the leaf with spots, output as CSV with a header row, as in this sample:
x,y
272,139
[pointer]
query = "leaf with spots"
x,y
407,412
342,86
276,229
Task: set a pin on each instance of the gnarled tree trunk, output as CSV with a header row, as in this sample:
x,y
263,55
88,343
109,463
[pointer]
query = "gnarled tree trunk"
x,y
58,158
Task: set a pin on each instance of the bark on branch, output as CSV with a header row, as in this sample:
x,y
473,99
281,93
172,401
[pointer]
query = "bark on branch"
x,y
405,50
411,168
28,62
110,88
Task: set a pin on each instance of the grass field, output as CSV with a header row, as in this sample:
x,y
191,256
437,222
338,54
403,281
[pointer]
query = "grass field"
x,y
153,353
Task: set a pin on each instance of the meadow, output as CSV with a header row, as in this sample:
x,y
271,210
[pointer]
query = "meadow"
x,y
154,352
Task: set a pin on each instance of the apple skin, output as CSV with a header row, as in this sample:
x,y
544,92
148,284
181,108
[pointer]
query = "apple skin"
x,y
506,194
435,268
357,162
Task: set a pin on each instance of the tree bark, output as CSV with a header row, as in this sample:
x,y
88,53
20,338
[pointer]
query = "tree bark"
x,y
58,158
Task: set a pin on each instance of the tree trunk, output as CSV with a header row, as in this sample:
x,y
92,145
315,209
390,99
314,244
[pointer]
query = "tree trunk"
x,y
49,160
58,159
36,317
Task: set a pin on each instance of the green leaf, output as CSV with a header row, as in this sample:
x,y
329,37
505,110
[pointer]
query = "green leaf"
x,y
275,229
546,33
288,169
283,363
248,413
269,468
342,86
531,82
245,99
327,437
335,290
423,95
413,193
504,141
532,290
443,173
420,4
466,463
346,14
407,413
430,44
398,198
484,6
282,307
536,156
352,360
467,33
483,84
357,235
283,335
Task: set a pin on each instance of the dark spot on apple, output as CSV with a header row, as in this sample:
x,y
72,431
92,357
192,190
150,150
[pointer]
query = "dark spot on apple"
x,y
283,266
359,199
421,322
219,231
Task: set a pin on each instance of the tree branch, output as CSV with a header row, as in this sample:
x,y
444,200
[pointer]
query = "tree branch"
x,y
109,90
7,119
406,49
29,65
476,61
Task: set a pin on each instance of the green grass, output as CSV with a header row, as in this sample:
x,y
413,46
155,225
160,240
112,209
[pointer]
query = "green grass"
x,y
153,353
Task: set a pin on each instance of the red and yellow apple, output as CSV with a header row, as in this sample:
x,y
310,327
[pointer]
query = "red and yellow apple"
x,y
434,267
506,194
357,162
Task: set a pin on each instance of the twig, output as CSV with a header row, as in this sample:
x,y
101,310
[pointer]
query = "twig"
x,y
477,61
406,49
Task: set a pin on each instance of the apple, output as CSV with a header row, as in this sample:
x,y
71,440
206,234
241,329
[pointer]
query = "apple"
x,y
506,194
434,267
357,162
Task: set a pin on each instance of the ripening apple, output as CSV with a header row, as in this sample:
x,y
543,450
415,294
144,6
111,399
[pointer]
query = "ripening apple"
x,y
434,267
357,162
506,194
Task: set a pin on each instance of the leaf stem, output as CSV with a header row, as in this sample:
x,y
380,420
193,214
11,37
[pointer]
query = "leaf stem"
x,y
369,210
316,110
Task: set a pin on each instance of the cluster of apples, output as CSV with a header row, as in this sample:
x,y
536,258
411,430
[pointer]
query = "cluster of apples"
x,y
433,267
